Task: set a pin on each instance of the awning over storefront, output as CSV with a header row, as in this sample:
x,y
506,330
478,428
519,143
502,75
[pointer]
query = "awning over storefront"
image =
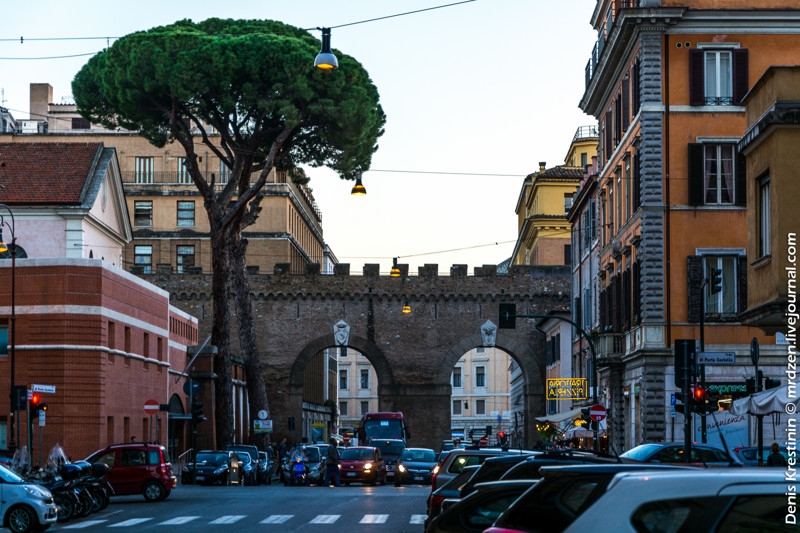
x,y
766,402
560,417
583,432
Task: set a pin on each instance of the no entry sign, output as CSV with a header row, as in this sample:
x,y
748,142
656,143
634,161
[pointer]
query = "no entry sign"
x,y
597,412
151,407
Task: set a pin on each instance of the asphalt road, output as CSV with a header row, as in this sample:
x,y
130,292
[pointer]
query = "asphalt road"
x,y
267,508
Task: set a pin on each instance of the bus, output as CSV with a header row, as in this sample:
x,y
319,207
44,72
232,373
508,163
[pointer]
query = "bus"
x,y
385,425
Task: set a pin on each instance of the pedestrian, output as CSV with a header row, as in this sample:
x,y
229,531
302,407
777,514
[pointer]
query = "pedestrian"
x,y
776,458
282,450
332,465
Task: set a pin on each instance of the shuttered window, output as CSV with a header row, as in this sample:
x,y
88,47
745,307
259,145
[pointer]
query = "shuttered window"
x,y
718,77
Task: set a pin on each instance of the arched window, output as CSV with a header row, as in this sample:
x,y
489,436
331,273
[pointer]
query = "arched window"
x,y
21,253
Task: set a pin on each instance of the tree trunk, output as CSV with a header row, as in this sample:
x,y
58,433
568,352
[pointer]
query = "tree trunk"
x,y
256,388
220,336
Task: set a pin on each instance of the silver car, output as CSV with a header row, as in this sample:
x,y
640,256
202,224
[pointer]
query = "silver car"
x,y
25,506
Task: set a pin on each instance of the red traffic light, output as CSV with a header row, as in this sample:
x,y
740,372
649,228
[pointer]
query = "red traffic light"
x,y
700,395
35,399
501,434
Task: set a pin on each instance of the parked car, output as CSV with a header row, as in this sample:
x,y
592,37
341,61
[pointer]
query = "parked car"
x,y
457,459
266,467
391,449
249,469
729,499
479,509
450,489
747,455
530,467
214,467
315,463
256,466
137,468
362,464
562,493
673,452
24,507
415,466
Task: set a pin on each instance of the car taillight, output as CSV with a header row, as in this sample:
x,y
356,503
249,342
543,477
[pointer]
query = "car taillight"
x,y
164,470
501,530
436,501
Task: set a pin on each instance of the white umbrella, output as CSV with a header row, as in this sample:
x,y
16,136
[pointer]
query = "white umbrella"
x,y
767,402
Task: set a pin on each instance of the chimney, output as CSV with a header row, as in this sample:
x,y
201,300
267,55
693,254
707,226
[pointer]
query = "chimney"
x,y
542,166
41,97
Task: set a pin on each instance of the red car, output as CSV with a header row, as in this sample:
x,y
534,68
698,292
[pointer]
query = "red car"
x,y
362,464
137,468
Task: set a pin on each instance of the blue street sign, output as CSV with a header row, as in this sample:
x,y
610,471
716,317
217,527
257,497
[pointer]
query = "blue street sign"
x,y
673,400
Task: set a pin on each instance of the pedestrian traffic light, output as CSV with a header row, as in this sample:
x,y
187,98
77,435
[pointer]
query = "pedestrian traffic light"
x,y
197,411
715,280
699,399
508,318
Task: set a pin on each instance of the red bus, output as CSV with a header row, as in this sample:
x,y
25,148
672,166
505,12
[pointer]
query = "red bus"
x,y
385,425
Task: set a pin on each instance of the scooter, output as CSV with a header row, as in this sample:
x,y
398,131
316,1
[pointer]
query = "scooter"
x,y
297,474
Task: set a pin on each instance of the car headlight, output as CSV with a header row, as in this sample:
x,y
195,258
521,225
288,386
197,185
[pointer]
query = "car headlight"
x,y
220,470
435,470
401,468
35,491
367,466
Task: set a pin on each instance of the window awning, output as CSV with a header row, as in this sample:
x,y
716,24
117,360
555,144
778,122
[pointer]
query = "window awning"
x,y
560,417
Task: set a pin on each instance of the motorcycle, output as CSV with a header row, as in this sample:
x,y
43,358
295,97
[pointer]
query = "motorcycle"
x,y
295,472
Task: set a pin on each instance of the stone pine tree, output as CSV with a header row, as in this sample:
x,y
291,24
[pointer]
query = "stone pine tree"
x,y
249,87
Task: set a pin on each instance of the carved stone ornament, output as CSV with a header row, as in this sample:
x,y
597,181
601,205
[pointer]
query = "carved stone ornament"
x,y
341,332
489,333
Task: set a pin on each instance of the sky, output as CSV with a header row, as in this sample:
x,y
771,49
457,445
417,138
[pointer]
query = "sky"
x,y
476,95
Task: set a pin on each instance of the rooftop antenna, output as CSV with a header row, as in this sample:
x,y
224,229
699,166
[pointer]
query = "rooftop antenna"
x,y
2,97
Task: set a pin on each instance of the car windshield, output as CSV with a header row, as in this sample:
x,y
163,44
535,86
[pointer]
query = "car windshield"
x,y
391,447
355,454
641,452
312,454
421,456
9,476
212,458
246,459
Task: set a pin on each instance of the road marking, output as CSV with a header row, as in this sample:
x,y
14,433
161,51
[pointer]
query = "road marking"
x,y
418,519
228,519
374,519
277,519
179,520
325,519
82,525
131,522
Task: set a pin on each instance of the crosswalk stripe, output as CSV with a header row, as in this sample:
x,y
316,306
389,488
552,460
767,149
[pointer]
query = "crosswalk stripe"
x,y
374,519
131,522
228,519
325,519
179,520
277,519
82,525
418,519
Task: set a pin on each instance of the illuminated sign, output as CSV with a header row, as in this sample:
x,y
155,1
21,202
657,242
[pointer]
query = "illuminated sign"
x,y
567,389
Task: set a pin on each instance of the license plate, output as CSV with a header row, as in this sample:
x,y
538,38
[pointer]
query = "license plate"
x,y
418,478
201,478
351,474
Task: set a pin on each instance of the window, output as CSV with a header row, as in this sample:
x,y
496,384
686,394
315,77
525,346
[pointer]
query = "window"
x,y
716,174
144,169
185,214
763,217
456,407
583,159
480,407
183,172
364,378
457,377
342,408
185,258
342,379
80,123
480,376
4,340
717,77
143,213
620,216
724,302
143,258
481,350
568,198
364,407
224,172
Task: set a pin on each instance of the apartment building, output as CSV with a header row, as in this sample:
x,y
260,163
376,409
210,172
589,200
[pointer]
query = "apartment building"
x,y
357,387
666,81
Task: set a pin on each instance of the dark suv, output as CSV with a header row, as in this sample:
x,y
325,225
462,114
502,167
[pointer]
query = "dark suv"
x,y
137,468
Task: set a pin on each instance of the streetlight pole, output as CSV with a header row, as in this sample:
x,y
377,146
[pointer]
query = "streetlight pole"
x,y
13,248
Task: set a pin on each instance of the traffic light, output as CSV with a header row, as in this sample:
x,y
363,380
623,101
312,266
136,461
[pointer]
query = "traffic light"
x,y
750,385
715,280
508,319
712,403
291,426
502,438
699,399
197,411
771,383
36,402
488,430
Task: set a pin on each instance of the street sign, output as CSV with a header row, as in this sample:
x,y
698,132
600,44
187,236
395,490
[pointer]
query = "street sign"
x,y
49,389
716,358
346,438
41,418
151,407
597,412
754,350
673,400
262,426
191,388
263,414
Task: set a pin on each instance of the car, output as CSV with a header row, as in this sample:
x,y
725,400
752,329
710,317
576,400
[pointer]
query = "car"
x,y
214,467
747,454
458,458
24,507
530,467
415,466
705,499
256,465
315,463
362,464
249,469
562,493
449,489
391,449
673,452
265,467
137,468
479,509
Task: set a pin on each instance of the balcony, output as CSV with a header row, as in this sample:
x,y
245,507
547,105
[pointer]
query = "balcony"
x,y
610,347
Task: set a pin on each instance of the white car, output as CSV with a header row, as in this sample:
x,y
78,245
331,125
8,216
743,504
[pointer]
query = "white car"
x,y
25,506
731,499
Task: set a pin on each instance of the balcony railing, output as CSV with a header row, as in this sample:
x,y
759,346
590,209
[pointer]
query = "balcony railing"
x,y
597,51
610,347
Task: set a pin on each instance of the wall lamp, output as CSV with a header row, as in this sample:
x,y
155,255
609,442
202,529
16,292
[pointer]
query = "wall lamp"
x,y
325,59
395,271
406,308
358,188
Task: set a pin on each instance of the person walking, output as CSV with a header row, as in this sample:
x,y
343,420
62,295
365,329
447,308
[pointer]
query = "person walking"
x,y
332,465
775,457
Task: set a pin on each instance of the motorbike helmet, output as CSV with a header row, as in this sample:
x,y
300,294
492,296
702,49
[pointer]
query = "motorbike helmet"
x,y
70,471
